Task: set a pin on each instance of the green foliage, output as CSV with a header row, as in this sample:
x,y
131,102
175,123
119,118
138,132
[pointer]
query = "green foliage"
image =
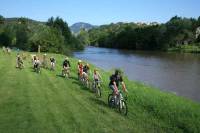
x,y
60,25
27,34
177,31
186,49
70,41
22,37
2,19
83,37
48,38
5,39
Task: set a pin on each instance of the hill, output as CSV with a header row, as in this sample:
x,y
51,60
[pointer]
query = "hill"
x,y
75,28
46,102
14,20
27,34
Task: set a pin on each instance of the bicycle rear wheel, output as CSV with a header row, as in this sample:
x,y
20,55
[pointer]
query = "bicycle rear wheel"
x,y
111,102
98,91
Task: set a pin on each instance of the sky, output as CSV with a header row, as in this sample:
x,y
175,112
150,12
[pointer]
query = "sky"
x,y
98,12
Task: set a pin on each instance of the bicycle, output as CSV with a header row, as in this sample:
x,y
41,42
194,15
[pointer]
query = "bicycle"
x,y
96,87
37,68
118,102
66,72
85,81
20,65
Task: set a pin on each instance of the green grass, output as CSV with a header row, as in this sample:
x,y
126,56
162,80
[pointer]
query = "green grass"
x,y
48,103
185,49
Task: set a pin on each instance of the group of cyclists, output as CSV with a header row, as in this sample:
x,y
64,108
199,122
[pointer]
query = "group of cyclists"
x,y
83,71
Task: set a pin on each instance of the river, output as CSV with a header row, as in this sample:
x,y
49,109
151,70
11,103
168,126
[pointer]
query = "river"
x,y
178,73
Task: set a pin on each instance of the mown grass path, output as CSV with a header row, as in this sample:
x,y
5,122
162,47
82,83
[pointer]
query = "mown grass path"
x,y
48,103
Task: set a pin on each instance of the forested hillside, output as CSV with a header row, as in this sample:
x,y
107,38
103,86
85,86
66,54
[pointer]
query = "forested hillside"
x,y
176,32
26,34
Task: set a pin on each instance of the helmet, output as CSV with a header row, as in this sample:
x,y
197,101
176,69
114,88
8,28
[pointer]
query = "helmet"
x,y
79,61
66,58
117,72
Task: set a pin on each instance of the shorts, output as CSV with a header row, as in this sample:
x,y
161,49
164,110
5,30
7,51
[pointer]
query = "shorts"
x,y
52,64
85,75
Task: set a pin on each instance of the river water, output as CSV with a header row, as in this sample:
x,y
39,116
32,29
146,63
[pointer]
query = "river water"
x,y
178,73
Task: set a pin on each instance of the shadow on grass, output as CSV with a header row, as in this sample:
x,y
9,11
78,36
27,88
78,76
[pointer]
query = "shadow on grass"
x,y
98,101
59,75
81,85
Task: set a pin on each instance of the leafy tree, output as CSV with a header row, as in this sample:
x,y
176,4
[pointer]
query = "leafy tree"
x,y
49,39
60,25
5,39
83,37
2,19
22,37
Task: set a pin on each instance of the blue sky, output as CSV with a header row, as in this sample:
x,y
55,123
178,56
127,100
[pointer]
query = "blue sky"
x,y
101,11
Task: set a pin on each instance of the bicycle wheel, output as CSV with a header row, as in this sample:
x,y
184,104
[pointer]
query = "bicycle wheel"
x,y
123,108
111,102
98,91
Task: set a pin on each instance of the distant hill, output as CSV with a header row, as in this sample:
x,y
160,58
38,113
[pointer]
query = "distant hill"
x,y
75,28
13,20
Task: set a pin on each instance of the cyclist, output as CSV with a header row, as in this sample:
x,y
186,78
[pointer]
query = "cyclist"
x,y
37,64
34,58
19,61
80,69
66,67
86,71
115,79
52,61
44,62
96,77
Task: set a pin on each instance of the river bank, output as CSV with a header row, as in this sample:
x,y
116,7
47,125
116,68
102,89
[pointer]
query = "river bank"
x,y
185,49
174,72
48,100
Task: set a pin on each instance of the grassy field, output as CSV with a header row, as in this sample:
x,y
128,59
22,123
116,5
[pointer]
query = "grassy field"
x,y
48,103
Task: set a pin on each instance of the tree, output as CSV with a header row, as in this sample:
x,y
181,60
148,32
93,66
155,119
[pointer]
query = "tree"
x,y
2,19
22,37
62,26
83,37
5,39
49,39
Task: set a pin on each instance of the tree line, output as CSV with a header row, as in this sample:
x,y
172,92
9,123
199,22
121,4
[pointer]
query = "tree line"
x,y
26,34
140,36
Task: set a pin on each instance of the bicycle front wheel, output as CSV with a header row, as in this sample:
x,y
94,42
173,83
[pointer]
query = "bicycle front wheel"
x,y
123,108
